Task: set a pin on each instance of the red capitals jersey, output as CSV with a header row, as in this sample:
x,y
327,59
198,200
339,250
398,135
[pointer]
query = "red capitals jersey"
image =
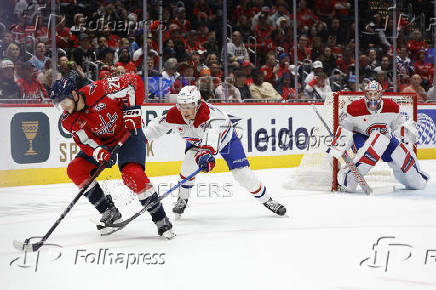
x,y
101,121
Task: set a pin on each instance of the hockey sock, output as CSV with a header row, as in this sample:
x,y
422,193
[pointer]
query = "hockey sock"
x,y
156,211
97,198
247,179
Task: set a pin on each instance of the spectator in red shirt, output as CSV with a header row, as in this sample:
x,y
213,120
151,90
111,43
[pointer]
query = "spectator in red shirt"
x,y
303,51
64,37
30,88
416,44
243,8
124,60
112,40
424,68
263,31
247,67
216,73
305,17
342,8
181,21
285,87
284,61
325,9
346,60
203,33
270,68
416,87
203,12
382,79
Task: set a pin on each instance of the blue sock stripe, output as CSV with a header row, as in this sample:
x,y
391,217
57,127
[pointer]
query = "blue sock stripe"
x,y
187,186
263,193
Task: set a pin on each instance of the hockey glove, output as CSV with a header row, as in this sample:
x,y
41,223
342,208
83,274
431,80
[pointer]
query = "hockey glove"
x,y
407,133
334,152
102,155
132,117
341,143
205,160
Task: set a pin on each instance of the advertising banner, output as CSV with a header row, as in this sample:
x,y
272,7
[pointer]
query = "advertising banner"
x,y
37,150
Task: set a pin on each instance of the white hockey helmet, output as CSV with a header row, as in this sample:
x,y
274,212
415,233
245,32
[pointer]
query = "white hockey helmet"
x,y
373,95
189,95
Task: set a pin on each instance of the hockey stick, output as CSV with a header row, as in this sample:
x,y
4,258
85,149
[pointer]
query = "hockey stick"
x,y
124,223
359,178
33,247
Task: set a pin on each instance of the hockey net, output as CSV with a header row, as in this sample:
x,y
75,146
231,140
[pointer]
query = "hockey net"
x,y
317,170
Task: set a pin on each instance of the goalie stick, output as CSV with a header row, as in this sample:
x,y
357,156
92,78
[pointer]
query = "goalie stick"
x,y
359,178
124,223
33,247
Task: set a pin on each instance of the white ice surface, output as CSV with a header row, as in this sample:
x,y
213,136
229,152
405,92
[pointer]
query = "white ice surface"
x,y
230,242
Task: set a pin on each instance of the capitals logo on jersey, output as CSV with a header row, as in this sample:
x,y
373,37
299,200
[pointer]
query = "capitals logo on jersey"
x,y
380,127
107,127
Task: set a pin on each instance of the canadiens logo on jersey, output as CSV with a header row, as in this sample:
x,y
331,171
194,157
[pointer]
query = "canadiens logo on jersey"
x,y
107,127
380,127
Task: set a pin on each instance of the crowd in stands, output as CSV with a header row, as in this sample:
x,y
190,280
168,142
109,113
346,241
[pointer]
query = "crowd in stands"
x,y
97,39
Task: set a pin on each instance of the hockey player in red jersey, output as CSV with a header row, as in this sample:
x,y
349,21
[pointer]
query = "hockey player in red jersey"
x,y
98,116
375,129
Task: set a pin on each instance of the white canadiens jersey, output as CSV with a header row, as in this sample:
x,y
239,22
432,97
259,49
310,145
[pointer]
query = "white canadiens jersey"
x,y
211,129
359,119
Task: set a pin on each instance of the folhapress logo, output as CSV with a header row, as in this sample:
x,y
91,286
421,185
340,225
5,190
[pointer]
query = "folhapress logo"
x,y
48,254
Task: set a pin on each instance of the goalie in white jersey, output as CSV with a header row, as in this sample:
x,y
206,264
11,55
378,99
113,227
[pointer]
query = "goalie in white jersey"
x,y
375,129
207,131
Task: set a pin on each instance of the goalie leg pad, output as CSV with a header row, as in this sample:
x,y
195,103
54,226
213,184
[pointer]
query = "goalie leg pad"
x,y
188,166
406,168
247,179
373,148
366,158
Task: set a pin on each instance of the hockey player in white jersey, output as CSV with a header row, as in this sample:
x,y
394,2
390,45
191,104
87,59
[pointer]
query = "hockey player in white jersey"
x,y
207,131
375,129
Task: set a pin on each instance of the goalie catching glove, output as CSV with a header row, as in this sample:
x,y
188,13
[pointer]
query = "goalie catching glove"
x,y
132,117
341,143
205,160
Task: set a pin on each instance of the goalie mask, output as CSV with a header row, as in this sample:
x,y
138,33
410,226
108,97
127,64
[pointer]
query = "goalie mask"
x,y
373,96
188,101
